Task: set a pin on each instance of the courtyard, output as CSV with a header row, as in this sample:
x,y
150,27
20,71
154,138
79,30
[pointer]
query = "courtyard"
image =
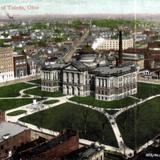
x,y
91,124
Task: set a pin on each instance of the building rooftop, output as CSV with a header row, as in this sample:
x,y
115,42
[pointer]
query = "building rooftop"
x,y
8,129
79,65
53,66
84,152
114,71
46,145
130,56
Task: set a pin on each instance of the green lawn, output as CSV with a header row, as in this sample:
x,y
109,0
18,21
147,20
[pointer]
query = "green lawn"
x,y
7,104
13,90
146,90
104,104
16,113
90,124
38,92
51,102
140,124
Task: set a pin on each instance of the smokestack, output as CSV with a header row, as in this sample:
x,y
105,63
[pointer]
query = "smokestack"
x,y
120,47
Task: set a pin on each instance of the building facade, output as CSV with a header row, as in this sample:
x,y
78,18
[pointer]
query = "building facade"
x,y
112,44
76,80
105,83
134,58
51,78
115,83
6,64
20,66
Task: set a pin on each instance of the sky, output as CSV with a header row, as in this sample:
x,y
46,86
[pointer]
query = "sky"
x,y
29,7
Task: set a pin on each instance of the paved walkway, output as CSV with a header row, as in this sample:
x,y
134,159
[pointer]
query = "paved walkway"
x,y
30,108
122,147
19,80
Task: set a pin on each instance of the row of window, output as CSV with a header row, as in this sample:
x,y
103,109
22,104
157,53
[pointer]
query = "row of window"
x,y
47,75
122,90
49,89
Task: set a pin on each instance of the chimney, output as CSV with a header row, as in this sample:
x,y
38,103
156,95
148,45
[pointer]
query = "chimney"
x,y
120,47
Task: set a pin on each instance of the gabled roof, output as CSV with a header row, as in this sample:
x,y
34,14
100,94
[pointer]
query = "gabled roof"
x,y
77,65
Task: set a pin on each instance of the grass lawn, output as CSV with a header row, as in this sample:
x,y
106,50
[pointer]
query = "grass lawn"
x,y
13,90
38,92
91,124
104,104
16,113
7,104
51,102
146,90
140,124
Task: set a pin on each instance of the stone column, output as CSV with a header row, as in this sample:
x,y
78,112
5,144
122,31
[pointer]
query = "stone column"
x,y
64,77
70,90
75,78
100,82
97,82
81,78
70,77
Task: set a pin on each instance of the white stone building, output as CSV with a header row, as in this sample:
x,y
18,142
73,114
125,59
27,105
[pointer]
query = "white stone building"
x,y
76,79
115,83
112,44
51,78
104,83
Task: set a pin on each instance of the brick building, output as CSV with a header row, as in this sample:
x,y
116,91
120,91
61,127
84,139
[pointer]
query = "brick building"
x,y
11,137
152,56
65,143
20,66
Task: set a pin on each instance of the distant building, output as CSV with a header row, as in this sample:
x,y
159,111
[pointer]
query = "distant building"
x,y
20,66
35,64
111,44
152,56
6,64
134,58
30,49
